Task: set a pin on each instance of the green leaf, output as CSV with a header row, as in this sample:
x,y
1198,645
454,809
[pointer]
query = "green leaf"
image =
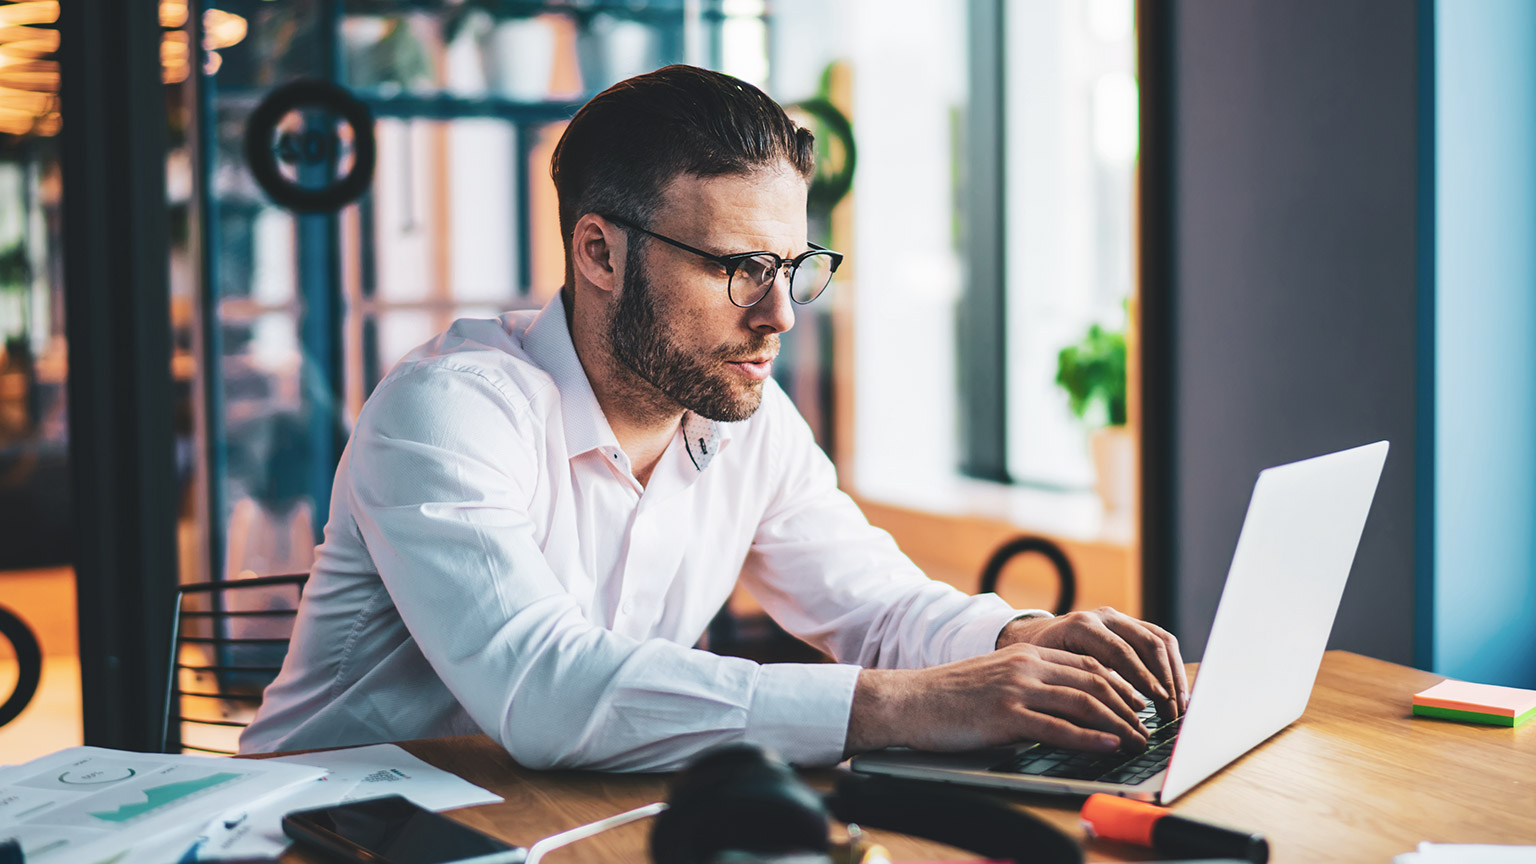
x,y
1093,374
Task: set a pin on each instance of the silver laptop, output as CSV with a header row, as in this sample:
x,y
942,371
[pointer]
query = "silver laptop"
x,y
1282,593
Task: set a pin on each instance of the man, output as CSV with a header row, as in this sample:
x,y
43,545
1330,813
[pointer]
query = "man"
x,y
537,515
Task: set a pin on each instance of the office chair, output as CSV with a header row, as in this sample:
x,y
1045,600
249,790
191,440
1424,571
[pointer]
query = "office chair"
x,y
29,664
228,641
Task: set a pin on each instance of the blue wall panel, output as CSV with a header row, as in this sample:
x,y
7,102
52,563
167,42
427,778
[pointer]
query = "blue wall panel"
x,y
1484,591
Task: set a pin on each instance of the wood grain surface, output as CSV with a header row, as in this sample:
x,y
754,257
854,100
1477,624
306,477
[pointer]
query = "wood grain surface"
x,y
1356,779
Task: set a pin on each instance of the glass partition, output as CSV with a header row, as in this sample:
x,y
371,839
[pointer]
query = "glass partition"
x,y
305,312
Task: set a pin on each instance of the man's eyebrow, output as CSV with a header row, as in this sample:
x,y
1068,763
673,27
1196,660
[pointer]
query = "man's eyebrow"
x,y
805,244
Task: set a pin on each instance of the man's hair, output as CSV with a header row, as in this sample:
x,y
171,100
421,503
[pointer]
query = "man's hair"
x,y
623,147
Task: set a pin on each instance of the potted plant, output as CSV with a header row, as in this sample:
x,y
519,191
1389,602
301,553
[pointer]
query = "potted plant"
x,y
1093,374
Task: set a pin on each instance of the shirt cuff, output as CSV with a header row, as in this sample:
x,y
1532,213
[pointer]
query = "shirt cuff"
x,y
979,636
801,710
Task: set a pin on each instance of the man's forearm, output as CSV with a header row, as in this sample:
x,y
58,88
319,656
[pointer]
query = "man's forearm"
x,y
877,700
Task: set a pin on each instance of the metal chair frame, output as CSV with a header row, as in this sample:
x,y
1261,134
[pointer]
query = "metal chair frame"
x,y
29,664
1066,577
172,717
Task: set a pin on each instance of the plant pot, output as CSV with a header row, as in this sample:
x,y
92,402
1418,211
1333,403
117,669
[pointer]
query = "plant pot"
x,y
1114,464
610,49
523,58
468,69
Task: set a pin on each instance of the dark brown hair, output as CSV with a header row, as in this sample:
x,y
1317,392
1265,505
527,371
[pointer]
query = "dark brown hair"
x,y
624,146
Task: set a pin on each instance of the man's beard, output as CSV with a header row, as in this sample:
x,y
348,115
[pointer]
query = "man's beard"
x,y
643,341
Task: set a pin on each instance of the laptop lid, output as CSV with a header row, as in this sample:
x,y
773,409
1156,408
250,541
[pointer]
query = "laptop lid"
x,y
1277,608
1282,593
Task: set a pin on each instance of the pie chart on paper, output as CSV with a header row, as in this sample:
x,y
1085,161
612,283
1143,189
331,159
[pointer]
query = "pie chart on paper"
x,y
97,776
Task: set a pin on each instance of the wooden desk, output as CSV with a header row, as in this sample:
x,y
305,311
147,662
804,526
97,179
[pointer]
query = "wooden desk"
x,y
1356,779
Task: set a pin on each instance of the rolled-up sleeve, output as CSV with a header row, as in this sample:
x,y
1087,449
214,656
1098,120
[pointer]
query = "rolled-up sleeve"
x,y
443,508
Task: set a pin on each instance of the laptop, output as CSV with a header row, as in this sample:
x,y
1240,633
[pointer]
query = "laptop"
x,y
1282,592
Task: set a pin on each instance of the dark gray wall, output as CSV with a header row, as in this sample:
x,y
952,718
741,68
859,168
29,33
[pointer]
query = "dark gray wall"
x,y
1290,325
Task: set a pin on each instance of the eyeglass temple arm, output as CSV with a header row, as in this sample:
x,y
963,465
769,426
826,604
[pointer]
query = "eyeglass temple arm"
x,y
730,262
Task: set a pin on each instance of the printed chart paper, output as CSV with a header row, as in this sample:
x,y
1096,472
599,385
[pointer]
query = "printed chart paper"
x,y
90,804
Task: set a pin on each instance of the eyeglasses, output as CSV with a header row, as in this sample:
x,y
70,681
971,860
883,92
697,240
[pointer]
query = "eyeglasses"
x,y
750,275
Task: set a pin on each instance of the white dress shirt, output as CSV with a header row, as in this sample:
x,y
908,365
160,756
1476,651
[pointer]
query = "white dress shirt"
x,y
491,564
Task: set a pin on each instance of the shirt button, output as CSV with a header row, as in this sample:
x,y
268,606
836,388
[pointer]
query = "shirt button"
x,y
628,607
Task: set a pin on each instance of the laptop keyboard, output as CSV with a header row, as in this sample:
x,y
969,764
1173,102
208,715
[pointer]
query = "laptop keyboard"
x,y
1044,760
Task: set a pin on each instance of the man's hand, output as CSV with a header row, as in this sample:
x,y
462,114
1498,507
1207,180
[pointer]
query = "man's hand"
x,y
1017,692
1144,654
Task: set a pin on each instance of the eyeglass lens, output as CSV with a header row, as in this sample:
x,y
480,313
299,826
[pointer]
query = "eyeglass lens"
x,y
755,276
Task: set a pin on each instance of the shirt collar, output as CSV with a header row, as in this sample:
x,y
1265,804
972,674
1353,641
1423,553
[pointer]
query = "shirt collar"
x,y
548,343
703,438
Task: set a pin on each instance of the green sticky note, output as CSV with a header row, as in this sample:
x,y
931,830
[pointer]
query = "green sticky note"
x,y
1473,716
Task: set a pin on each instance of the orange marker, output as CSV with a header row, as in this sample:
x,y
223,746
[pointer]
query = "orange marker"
x,y
1116,818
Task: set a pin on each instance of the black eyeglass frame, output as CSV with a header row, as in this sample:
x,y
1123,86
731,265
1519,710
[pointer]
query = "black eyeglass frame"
x,y
732,263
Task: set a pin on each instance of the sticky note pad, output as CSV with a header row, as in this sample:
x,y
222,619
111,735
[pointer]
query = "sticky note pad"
x,y
1476,703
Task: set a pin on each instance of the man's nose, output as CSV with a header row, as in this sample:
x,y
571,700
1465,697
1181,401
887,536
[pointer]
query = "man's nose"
x,y
775,313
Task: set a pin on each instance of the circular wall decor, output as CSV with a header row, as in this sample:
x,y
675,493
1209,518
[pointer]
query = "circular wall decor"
x,y
302,136
836,153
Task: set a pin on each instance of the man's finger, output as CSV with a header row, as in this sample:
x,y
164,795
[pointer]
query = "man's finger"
x,y
1153,653
1084,709
1046,729
1118,693
1176,658
1108,647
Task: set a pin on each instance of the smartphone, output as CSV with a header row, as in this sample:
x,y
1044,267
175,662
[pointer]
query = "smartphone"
x,y
392,830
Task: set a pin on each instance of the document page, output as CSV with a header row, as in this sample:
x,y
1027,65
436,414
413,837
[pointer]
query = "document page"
x,y
89,804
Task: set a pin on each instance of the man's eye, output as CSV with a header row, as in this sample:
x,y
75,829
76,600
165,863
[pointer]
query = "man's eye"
x,y
758,269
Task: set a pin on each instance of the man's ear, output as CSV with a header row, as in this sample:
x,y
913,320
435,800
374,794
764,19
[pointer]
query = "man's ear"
x,y
598,251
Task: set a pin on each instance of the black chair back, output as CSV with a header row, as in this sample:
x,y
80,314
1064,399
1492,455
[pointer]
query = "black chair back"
x,y
1066,577
29,664
228,641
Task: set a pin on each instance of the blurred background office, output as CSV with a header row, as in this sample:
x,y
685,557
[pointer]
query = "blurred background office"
x,y
1107,260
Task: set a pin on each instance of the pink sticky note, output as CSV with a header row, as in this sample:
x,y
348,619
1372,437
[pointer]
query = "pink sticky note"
x,y
1481,698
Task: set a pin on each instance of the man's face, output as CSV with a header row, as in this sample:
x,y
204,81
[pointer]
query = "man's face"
x,y
673,323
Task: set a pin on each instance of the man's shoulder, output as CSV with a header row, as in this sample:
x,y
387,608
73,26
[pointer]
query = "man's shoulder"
x,y
479,353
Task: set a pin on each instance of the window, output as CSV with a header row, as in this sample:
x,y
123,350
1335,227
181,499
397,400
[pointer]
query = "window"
x,y
994,199
1070,140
